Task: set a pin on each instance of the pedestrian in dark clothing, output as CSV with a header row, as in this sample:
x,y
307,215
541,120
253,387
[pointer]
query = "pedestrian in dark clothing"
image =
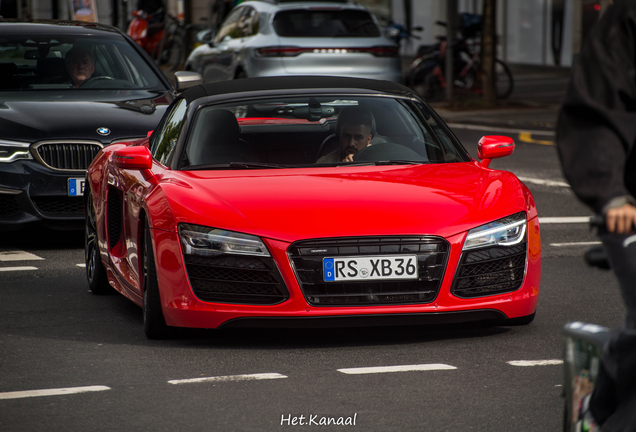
x,y
596,134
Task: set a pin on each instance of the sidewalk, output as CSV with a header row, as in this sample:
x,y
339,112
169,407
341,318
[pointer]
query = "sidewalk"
x,y
534,104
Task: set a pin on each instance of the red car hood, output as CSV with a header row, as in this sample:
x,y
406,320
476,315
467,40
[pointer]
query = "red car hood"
x,y
293,204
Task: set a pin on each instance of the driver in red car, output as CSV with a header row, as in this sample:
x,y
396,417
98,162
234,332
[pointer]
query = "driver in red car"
x,y
354,129
80,65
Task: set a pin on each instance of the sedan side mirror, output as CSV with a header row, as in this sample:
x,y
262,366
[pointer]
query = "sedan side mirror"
x,y
184,80
494,146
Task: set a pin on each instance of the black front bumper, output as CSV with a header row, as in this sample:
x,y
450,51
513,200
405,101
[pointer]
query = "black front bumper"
x,y
31,192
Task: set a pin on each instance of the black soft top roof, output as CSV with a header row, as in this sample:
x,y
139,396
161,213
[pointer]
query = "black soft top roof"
x,y
294,83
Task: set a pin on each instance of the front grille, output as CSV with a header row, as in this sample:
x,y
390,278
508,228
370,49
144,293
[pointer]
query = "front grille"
x,y
59,205
68,156
8,205
236,279
494,270
114,216
307,258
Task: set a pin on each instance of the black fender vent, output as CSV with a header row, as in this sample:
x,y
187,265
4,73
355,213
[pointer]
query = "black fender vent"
x,y
114,216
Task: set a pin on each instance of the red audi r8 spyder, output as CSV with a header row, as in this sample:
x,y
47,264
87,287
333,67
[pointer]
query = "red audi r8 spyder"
x,y
310,201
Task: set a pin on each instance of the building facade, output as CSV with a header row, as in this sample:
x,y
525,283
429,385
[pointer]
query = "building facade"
x,y
542,32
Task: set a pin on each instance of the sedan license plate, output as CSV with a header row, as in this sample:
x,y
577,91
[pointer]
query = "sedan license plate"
x,y
76,186
357,268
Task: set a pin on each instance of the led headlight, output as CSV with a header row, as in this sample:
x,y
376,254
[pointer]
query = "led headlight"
x,y
506,231
11,151
206,241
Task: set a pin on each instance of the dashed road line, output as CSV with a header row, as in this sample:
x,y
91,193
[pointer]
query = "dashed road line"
x,y
81,265
564,219
526,363
18,255
51,392
23,268
261,376
403,368
589,243
526,136
544,182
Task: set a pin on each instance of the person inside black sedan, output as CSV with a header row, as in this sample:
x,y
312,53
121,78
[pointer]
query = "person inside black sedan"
x,y
80,65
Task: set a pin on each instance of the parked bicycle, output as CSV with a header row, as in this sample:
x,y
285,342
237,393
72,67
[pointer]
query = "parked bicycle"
x,y
169,53
427,76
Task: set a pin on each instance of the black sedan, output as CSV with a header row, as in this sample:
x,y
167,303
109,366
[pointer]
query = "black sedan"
x,y
67,89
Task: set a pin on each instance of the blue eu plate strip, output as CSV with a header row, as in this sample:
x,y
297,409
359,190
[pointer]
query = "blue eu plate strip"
x,y
328,270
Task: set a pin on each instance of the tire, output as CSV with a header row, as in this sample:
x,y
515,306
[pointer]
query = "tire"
x,y
95,271
240,75
155,326
504,81
524,320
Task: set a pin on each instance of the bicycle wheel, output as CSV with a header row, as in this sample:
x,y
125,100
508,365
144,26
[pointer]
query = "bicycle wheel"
x,y
174,54
503,78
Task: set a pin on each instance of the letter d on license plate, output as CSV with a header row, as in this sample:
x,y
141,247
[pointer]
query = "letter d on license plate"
x,y
369,268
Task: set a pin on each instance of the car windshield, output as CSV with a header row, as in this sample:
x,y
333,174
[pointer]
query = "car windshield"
x,y
313,131
325,23
46,62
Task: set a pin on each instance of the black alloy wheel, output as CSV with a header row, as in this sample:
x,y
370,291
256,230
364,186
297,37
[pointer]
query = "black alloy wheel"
x,y
95,271
155,325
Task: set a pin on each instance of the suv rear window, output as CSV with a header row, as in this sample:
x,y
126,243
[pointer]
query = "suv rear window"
x,y
325,23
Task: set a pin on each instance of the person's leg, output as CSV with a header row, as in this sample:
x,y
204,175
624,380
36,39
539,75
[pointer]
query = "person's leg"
x,y
616,383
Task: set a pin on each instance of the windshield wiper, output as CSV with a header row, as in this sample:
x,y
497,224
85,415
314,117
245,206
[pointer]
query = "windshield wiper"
x,y
257,165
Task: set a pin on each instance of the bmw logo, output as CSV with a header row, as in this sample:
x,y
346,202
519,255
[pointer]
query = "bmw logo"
x,y
103,131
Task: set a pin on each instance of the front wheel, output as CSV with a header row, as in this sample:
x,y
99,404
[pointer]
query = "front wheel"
x,y
155,325
95,271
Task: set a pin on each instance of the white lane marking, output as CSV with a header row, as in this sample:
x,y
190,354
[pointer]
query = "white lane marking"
x,y
590,243
403,368
17,268
18,255
524,363
81,265
564,219
51,392
498,129
261,376
544,182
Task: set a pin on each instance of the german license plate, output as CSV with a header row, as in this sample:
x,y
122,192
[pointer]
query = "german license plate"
x,y
76,186
369,268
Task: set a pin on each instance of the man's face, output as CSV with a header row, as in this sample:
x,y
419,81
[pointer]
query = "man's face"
x,y
80,68
354,138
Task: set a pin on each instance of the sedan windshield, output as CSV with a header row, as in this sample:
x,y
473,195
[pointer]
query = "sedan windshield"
x,y
311,131
60,62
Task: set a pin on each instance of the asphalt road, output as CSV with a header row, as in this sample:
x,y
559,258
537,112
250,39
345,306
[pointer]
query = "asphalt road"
x,y
55,335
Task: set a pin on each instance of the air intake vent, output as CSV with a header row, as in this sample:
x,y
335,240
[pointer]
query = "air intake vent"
x,y
236,279
489,271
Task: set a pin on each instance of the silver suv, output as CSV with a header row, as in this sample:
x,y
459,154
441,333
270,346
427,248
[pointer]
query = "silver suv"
x,y
277,38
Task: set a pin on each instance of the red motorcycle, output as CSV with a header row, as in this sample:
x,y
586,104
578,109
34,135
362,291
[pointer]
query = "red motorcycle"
x,y
163,41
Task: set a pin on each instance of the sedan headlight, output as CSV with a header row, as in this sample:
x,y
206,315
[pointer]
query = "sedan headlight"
x,y
11,151
206,241
506,231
